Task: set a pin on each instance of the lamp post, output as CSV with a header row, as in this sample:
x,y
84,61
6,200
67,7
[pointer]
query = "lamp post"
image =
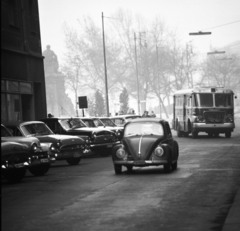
x,y
138,101
105,67
216,52
200,33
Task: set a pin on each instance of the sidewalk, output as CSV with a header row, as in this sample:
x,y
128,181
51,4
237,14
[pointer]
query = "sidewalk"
x,y
232,222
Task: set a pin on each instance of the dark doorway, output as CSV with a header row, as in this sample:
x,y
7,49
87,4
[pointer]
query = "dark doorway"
x,y
26,107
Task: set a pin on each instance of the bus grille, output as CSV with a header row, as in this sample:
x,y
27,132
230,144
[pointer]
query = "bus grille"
x,y
214,117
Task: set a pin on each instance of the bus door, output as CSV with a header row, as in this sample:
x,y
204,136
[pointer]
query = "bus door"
x,y
188,111
184,113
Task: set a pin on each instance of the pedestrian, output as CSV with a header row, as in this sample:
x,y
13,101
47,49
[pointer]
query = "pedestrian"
x,y
153,114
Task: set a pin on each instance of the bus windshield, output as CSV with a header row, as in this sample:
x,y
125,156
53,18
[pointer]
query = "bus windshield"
x,y
205,100
223,100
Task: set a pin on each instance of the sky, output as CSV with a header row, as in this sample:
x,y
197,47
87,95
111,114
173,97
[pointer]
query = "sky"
x,y
221,17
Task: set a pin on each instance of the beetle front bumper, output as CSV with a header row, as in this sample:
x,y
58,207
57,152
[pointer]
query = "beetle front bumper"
x,y
140,162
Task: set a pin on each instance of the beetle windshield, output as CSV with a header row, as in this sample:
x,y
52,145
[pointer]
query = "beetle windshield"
x,y
223,100
144,128
35,129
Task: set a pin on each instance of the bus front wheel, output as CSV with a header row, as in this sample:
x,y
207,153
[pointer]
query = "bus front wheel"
x,y
194,135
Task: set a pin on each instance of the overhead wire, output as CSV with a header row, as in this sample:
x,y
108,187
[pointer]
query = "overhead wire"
x,y
222,25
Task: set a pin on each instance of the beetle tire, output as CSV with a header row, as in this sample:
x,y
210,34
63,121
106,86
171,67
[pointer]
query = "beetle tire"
x,y
129,168
174,166
228,134
14,175
73,161
118,169
39,170
167,168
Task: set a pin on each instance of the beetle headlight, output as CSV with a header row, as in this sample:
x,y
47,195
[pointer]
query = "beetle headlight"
x,y
158,151
120,153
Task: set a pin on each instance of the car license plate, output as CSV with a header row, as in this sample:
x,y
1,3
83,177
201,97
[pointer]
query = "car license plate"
x,y
139,162
44,160
19,165
76,155
109,146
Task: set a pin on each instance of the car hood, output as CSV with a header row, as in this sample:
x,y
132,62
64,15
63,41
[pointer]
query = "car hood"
x,y
10,148
65,139
141,147
89,131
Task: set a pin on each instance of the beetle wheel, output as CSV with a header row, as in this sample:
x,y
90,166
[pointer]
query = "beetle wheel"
x,y
118,169
228,134
129,168
39,170
73,161
167,168
174,166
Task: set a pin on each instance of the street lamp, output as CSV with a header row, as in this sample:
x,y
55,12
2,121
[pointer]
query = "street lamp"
x,y
216,52
200,33
138,101
105,67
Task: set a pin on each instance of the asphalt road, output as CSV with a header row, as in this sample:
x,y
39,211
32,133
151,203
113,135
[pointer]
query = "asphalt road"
x,y
89,196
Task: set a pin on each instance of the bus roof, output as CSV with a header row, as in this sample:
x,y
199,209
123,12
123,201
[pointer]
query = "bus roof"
x,y
203,90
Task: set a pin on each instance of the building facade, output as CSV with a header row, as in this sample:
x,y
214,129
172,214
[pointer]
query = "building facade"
x,y
23,94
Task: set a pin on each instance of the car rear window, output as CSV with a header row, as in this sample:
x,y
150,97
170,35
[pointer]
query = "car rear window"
x,y
146,128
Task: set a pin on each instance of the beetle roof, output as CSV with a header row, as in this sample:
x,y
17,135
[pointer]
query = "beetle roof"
x,y
146,119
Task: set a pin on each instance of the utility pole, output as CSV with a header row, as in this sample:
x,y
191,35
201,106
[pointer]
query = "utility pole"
x,y
105,67
160,100
138,101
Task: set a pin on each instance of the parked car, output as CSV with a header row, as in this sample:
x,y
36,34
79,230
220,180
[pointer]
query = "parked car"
x,y
120,120
14,161
64,147
106,122
100,140
146,142
38,158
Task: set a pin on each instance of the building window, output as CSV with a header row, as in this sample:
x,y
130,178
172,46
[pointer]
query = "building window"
x,y
13,15
3,107
16,101
12,86
13,104
25,88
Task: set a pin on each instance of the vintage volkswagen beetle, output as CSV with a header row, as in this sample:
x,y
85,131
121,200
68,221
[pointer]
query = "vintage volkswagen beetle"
x,y
38,157
146,142
64,147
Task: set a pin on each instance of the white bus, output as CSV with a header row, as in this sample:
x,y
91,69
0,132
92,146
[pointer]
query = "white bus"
x,y
204,109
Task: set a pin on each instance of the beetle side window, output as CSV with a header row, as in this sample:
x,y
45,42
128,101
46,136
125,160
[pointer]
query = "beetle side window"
x,y
168,130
